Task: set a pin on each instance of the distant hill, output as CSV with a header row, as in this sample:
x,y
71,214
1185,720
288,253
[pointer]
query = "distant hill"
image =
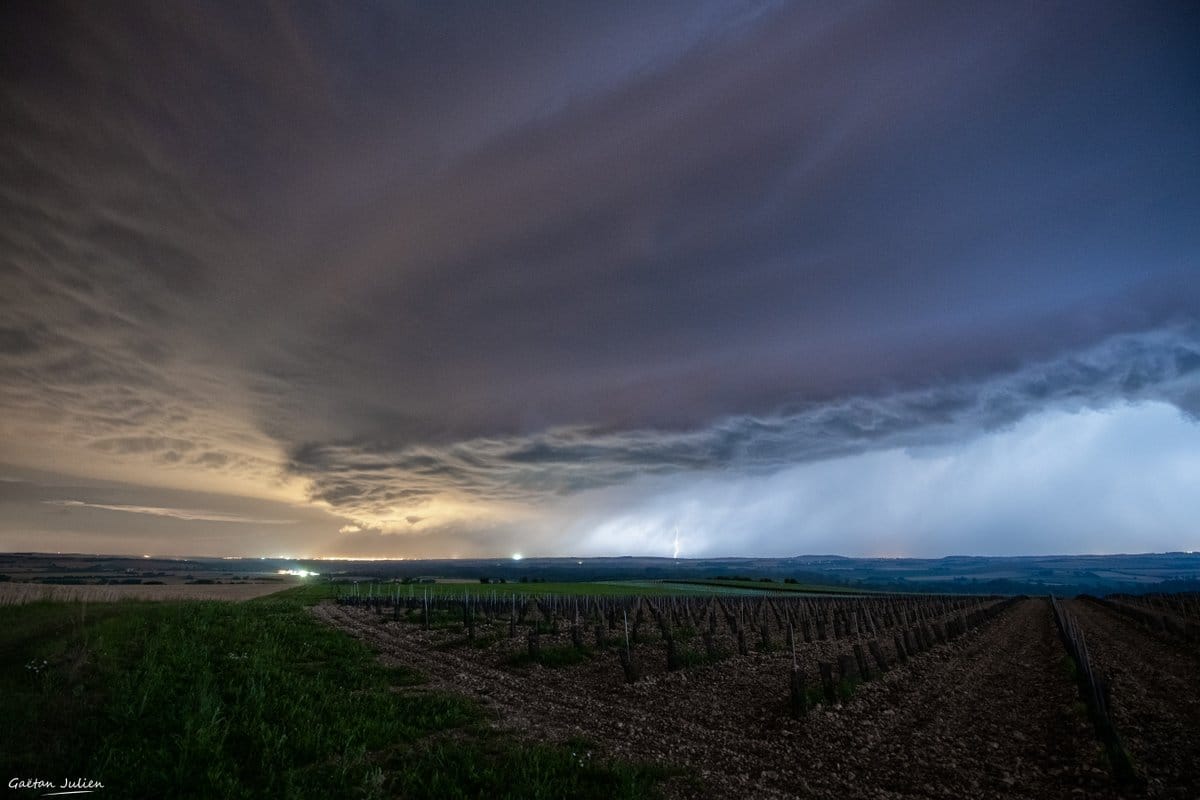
x,y
1062,574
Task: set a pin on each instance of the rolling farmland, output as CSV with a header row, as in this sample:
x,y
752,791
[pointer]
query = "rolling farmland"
x,y
22,593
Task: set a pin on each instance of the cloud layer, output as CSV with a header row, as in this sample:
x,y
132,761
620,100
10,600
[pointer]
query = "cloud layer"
x,y
1097,481
442,270
199,515
372,483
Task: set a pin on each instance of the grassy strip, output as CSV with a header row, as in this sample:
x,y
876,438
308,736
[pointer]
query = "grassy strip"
x,y
767,586
207,699
323,589
552,657
581,588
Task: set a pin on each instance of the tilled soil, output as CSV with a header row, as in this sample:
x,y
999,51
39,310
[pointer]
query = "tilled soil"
x,y
1153,685
21,593
993,714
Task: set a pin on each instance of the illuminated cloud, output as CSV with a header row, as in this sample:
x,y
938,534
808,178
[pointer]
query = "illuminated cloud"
x,y
369,482
442,276
1092,480
174,513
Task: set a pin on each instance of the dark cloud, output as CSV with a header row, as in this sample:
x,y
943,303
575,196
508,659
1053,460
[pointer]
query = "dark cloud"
x,y
393,257
364,481
16,342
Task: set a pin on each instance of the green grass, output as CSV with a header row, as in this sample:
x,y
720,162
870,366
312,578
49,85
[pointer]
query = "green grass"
x,y
580,588
205,699
1069,668
552,657
314,590
690,657
764,586
846,688
307,593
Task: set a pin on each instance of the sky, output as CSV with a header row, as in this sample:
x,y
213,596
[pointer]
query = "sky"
x,y
575,278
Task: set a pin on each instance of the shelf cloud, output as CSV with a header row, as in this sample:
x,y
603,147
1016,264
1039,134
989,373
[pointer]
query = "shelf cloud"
x,y
454,279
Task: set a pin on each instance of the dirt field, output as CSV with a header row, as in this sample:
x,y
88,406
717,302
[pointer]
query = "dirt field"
x,y
20,593
1153,686
994,714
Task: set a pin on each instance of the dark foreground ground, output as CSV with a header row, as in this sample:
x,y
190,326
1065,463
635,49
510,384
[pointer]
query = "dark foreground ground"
x,y
250,700
995,714
294,696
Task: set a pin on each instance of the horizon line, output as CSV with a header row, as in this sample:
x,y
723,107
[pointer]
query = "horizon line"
x,y
525,558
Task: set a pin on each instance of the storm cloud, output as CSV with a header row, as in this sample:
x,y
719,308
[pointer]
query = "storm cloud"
x,y
362,480
465,265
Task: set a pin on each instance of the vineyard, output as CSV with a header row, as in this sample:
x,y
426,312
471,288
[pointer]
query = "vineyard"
x,y
777,696
669,634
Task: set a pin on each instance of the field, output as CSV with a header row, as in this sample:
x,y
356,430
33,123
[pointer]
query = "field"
x,y
621,588
459,589
22,593
769,696
744,584
527,690
249,700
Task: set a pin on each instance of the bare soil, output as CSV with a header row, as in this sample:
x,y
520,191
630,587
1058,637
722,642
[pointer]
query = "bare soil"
x,y
1153,697
993,714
